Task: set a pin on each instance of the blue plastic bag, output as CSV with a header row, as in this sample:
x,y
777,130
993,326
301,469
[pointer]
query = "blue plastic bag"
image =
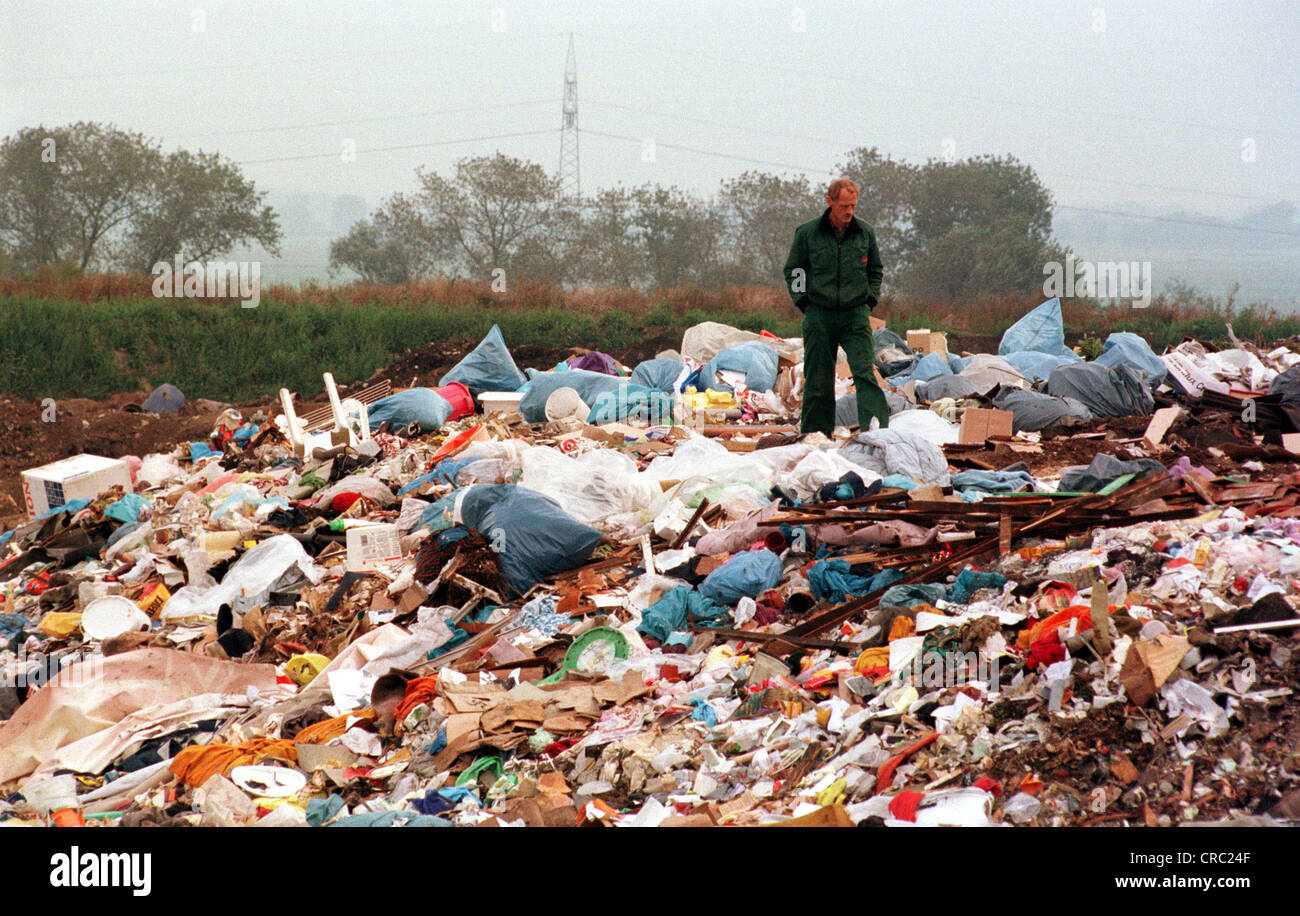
x,y
1124,348
676,610
589,385
164,399
660,374
754,358
830,580
1041,331
745,575
415,405
1034,365
488,367
532,535
632,402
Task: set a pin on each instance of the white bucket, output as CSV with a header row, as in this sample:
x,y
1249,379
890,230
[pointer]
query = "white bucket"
x,y
566,402
112,616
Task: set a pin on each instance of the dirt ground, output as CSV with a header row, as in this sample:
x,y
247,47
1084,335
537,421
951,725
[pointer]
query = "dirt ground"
x,y
108,427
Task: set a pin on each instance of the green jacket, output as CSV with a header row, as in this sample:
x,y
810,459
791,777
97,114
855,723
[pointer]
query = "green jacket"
x,y
836,274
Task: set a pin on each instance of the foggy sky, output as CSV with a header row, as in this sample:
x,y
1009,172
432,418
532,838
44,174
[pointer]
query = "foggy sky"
x,y
1152,106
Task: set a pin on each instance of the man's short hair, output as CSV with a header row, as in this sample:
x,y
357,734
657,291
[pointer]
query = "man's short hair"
x,y
838,185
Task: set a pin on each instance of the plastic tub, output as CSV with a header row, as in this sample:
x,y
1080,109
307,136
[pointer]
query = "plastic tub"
x,y
566,402
112,616
460,399
504,401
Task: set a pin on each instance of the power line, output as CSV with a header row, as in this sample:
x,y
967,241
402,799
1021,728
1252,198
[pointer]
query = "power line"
x,y
794,135
705,152
1185,222
809,169
417,114
405,146
941,93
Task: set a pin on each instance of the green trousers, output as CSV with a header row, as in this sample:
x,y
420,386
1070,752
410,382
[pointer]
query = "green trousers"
x,y
824,332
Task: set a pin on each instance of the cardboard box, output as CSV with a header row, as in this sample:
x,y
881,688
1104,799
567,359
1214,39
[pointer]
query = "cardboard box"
x,y
876,323
979,425
79,477
925,341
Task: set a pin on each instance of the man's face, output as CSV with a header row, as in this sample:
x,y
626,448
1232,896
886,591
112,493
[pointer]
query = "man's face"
x,y
842,208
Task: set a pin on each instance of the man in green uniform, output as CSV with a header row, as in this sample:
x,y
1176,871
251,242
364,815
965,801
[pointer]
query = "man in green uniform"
x,y
833,274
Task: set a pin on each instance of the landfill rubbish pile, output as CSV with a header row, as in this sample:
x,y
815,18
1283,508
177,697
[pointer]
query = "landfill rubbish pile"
x,y
1052,592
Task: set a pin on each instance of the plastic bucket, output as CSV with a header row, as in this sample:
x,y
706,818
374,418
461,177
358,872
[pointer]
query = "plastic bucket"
x,y
460,399
566,402
112,616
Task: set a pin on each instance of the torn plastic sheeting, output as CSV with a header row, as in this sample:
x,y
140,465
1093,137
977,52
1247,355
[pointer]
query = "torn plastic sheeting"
x,y
897,451
488,367
1033,410
537,537
1107,391
700,463
927,425
756,359
677,610
745,575
707,339
831,580
1041,330
819,468
595,487
92,694
246,495
1102,470
1124,348
986,372
253,575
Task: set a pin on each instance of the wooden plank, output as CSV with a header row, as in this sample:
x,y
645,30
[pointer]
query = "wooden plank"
x,y
1004,532
1161,420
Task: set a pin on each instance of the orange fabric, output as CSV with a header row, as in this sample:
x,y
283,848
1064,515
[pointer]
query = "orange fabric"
x,y
196,765
330,728
902,628
418,690
1044,628
871,659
